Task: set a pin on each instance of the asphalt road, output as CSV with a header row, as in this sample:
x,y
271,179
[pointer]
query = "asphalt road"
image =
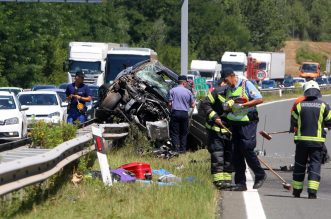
x,y
276,201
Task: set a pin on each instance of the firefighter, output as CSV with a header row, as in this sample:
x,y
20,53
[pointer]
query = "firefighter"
x,y
242,97
308,119
219,143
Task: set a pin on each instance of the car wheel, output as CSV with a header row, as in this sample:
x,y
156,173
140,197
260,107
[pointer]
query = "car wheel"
x,y
111,101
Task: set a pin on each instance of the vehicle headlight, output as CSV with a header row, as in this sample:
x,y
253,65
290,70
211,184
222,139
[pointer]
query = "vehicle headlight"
x,y
54,114
11,121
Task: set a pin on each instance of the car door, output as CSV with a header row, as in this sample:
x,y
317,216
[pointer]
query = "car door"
x,y
63,108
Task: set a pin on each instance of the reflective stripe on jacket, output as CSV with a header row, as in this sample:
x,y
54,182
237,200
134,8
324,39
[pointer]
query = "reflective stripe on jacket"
x,y
239,115
310,117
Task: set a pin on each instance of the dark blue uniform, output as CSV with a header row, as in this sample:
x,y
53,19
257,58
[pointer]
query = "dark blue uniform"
x,y
73,112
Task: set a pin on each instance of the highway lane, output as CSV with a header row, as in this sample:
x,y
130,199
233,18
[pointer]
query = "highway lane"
x,y
276,201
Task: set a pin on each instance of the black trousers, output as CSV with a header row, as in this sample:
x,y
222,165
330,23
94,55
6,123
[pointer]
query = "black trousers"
x,y
179,129
220,149
244,142
312,156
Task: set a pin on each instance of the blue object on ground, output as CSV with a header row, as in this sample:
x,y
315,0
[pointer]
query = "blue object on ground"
x,y
161,172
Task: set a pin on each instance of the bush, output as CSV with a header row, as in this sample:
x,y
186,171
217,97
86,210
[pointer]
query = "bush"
x,y
48,135
304,54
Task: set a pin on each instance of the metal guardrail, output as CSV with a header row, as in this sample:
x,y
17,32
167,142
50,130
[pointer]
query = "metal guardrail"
x,y
289,89
14,144
18,173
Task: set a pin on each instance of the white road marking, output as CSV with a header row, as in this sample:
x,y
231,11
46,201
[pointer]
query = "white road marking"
x,y
254,208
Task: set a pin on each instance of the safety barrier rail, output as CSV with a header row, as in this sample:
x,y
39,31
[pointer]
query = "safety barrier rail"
x,y
14,144
44,163
282,90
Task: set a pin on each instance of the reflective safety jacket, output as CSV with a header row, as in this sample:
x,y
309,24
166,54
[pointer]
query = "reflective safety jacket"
x,y
241,115
310,116
212,107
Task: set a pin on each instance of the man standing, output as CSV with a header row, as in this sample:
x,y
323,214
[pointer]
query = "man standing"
x,y
242,98
219,142
78,94
308,119
180,100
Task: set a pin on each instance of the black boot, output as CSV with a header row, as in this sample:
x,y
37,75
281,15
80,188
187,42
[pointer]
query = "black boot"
x,y
222,185
312,196
296,193
259,181
239,187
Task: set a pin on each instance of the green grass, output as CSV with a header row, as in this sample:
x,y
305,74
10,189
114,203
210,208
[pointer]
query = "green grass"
x,y
304,54
91,199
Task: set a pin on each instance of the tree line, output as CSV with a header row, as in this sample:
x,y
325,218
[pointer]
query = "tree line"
x,y
34,37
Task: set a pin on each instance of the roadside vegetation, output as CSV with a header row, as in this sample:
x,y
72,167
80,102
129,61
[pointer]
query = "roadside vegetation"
x,y
33,50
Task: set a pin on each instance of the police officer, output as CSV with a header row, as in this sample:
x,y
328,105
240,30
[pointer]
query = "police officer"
x,y
219,143
242,97
78,94
308,119
180,100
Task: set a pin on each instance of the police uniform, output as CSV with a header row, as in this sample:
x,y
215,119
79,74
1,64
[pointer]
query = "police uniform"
x,y
243,121
181,99
309,117
219,143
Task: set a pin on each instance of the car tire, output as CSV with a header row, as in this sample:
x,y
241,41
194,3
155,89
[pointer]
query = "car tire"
x,y
111,101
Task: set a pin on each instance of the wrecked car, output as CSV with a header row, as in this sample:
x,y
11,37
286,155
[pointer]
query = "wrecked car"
x,y
138,94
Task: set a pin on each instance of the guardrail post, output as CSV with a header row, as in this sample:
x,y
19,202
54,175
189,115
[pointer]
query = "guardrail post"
x,y
101,153
280,92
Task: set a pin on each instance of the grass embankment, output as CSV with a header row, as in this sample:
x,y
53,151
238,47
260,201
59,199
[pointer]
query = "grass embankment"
x,y
91,199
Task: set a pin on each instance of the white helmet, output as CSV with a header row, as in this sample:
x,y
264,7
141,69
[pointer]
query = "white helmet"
x,y
310,84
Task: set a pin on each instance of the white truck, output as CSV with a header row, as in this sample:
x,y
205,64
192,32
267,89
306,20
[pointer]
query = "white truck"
x,y
237,61
273,63
121,58
208,69
90,57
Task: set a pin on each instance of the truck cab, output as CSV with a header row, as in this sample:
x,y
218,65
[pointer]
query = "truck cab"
x,y
121,58
310,70
207,69
89,57
237,61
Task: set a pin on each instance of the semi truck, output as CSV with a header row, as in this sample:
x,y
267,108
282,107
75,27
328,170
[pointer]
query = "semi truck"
x,y
208,69
121,58
266,65
237,61
90,57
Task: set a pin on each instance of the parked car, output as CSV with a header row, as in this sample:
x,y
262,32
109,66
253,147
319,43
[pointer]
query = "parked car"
x,y
39,87
60,92
13,121
322,81
269,84
288,82
298,80
44,105
15,90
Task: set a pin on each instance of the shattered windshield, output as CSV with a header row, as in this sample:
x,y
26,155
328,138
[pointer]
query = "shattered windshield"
x,y
150,75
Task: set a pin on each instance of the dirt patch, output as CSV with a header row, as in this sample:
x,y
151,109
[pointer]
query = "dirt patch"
x,y
291,66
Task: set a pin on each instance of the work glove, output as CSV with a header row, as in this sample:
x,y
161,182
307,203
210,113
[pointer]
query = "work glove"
x,y
236,107
228,105
325,155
